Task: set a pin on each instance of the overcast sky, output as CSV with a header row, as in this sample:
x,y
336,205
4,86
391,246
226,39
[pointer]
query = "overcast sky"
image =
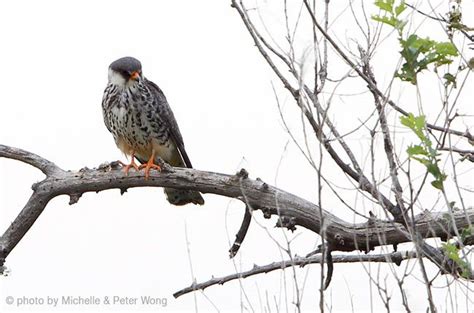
x,y
54,59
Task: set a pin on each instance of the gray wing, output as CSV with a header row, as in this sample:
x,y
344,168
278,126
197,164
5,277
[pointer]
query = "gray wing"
x,y
168,117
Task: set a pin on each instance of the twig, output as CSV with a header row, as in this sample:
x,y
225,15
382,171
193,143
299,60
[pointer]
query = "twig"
x,y
388,145
371,85
466,154
356,172
394,257
239,238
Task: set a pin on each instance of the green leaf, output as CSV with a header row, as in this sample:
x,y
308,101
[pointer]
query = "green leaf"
x,y
407,120
401,25
419,52
423,161
400,8
386,20
385,5
420,122
466,270
467,232
437,184
391,14
446,48
416,123
434,170
416,150
451,251
424,153
450,79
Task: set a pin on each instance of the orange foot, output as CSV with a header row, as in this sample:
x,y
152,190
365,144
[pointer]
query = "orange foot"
x,y
128,166
149,165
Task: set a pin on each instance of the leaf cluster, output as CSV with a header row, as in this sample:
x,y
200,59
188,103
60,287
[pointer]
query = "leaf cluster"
x,y
424,152
417,52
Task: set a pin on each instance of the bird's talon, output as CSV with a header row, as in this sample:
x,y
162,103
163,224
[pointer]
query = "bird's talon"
x,y
126,167
148,166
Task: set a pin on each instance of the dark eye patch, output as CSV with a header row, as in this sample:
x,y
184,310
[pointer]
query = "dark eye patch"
x,y
124,73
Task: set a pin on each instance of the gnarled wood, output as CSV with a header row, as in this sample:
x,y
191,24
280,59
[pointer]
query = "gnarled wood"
x,y
292,210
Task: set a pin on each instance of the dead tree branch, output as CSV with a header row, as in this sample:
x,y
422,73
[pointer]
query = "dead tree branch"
x,y
292,210
239,238
305,98
394,257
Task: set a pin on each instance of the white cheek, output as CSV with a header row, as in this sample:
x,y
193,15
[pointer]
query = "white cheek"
x,y
116,79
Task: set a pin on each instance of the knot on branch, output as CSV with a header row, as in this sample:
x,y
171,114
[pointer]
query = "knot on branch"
x,y
165,167
263,185
267,212
35,186
74,198
396,258
84,169
339,240
107,167
372,219
287,222
242,173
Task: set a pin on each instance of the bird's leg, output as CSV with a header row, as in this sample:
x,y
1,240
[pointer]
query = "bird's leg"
x,y
150,164
132,164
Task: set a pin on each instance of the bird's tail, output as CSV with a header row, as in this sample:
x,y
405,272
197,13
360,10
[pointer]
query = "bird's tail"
x,y
182,197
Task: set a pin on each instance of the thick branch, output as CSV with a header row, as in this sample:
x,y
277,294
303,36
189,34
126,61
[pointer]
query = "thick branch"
x,y
356,173
292,210
47,167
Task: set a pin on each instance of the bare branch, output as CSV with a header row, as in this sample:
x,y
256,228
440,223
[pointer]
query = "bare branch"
x,y
394,257
371,85
47,167
256,38
292,210
239,238
466,154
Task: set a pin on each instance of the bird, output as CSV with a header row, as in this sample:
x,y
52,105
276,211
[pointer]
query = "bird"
x,y
136,112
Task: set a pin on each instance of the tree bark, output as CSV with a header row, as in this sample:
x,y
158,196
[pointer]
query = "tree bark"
x,y
292,210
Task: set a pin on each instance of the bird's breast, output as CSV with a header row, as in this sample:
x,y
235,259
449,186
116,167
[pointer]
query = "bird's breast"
x,y
134,120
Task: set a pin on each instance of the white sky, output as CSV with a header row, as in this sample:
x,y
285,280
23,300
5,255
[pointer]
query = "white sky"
x,y
54,57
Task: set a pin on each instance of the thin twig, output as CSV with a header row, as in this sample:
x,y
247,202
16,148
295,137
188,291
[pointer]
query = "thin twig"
x,y
371,85
394,257
239,238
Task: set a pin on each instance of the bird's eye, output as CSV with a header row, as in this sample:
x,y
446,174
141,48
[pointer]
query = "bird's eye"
x,y
124,73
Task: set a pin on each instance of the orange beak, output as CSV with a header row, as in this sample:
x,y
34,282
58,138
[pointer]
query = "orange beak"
x,y
135,75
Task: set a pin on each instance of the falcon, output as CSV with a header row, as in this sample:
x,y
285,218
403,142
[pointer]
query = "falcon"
x,y
140,119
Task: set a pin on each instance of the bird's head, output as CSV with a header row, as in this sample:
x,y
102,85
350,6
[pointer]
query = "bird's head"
x,y
125,71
